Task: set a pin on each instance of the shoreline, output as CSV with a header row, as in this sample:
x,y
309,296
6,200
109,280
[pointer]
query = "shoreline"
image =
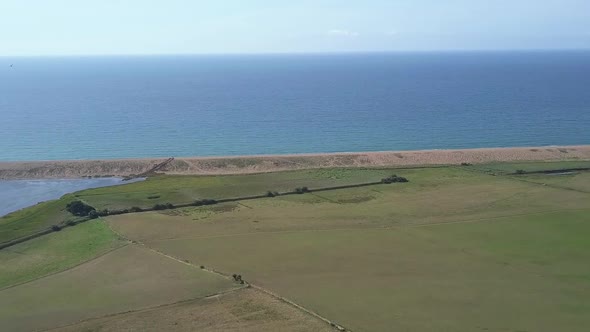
x,y
212,165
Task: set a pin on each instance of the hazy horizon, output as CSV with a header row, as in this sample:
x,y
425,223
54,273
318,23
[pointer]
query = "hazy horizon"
x,y
181,27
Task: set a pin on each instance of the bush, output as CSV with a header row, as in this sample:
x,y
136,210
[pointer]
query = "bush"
x,y
270,194
302,190
520,171
160,207
166,206
79,208
56,228
135,209
394,179
103,213
93,214
466,164
205,201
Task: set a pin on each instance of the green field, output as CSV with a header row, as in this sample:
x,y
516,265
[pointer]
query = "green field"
x,y
577,181
60,251
507,168
129,278
470,248
451,250
33,219
186,189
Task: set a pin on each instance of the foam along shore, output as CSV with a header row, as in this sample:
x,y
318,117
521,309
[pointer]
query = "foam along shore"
x,y
270,163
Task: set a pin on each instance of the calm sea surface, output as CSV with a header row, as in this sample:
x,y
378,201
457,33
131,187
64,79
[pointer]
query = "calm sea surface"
x,y
114,107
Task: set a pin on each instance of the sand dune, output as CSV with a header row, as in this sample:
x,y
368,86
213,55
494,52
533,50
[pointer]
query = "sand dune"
x,y
269,163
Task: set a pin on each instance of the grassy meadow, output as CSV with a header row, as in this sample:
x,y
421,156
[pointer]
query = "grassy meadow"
x,y
130,278
186,189
458,248
49,254
34,219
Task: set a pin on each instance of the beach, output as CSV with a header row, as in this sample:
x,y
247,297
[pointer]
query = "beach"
x,y
71,169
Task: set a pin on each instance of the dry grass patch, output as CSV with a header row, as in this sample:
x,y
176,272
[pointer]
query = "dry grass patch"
x,y
245,310
129,278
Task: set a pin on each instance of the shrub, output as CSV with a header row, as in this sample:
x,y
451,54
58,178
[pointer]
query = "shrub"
x,y
302,190
135,209
466,164
166,206
56,228
520,171
394,179
103,213
93,214
270,194
205,201
79,208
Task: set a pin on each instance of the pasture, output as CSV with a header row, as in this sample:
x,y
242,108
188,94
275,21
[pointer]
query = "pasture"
x,y
244,310
129,278
34,219
458,248
454,249
187,189
49,254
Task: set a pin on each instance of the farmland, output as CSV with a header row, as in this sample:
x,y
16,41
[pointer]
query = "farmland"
x,y
458,248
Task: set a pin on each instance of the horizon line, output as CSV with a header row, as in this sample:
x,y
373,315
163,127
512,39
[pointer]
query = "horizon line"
x,y
506,50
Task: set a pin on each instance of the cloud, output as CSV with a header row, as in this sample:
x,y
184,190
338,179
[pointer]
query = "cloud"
x,y
343,33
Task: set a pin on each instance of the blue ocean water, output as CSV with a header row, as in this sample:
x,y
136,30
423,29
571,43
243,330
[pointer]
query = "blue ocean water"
x,y
154,106
18,194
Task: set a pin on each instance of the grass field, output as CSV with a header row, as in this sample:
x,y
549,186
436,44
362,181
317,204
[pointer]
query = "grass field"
x,y
246,310
177,190
419,279
507,168
33,219
186,189
579,181
455,249
129,278
49,254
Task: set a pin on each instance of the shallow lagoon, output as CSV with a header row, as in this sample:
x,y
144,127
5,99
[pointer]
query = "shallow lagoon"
x,y
18,194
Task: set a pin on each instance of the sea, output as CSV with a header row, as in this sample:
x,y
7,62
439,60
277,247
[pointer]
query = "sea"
x,y
55,108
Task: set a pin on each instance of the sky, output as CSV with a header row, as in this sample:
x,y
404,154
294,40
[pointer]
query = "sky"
x,y
108,27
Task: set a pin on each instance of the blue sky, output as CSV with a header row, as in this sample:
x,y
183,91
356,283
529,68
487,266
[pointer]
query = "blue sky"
x,y
73,27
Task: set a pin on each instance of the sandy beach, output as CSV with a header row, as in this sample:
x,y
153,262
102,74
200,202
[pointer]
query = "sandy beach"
x,y
269,163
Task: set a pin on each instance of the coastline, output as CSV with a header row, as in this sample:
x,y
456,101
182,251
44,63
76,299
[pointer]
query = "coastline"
x,y
72,169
